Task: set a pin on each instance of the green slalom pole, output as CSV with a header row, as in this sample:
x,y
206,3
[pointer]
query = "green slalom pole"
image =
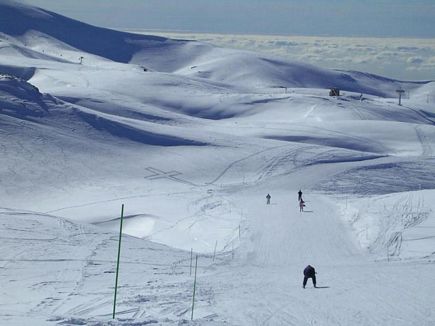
x,y
191,258
117,262
194,288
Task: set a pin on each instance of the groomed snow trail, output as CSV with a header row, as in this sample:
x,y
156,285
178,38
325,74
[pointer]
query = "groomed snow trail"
x,y
263,284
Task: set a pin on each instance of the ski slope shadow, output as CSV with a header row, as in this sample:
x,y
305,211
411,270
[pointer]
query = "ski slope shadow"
x,y
124,130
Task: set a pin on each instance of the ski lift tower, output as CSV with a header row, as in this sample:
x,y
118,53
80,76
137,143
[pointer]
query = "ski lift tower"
x,y
400,92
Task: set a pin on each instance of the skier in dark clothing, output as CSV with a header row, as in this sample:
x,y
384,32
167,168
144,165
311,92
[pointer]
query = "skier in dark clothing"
x,y
301,205
299,195
309,272
268,199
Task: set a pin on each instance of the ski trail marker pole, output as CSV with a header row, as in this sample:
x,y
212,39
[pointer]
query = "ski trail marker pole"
x,y
214,252
194,288
191,258
117,262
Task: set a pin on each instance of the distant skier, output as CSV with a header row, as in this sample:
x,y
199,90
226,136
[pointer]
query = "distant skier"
x,y
309,272
268,199
301,205
299,195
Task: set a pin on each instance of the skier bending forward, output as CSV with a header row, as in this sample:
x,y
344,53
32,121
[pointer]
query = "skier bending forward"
x,y
309,272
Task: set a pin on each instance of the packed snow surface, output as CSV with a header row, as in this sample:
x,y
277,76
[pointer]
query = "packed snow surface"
x,y
191,138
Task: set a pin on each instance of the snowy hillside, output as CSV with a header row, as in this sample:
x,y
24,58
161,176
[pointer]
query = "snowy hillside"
x,y
191,138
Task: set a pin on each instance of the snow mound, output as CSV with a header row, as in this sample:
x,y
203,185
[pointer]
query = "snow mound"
x,y
426,93
357,145
123,129
19,98
255,70
383,178
395,226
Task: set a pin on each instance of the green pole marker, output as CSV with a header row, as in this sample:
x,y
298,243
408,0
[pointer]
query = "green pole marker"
x,y
214,252
117,263
191,258
194,288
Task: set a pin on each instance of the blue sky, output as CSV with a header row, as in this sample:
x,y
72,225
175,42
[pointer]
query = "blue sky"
x,y
374,18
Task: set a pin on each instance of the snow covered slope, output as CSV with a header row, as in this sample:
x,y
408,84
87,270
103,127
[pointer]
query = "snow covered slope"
x,y
191,138
37,33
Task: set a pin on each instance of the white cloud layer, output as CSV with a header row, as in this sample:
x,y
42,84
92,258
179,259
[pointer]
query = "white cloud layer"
x,y
399,58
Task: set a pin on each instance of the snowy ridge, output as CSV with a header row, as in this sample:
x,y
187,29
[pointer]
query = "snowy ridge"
x,y
191,138
189,58
19,19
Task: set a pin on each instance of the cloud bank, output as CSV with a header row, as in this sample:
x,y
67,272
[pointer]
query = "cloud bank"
x,y
399,58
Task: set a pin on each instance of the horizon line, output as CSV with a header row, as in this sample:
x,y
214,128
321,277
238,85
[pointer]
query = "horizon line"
x,y
129,29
